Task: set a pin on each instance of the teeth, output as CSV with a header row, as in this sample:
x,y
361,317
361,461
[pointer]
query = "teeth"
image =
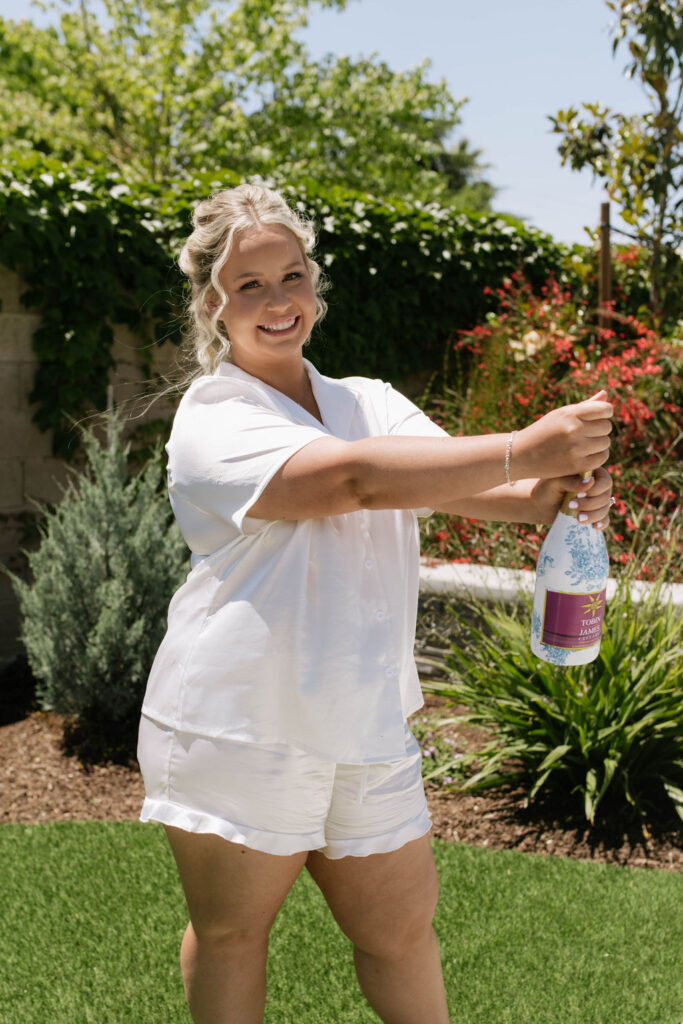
x,y
279,327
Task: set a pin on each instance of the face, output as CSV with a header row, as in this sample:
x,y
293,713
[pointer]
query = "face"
x,y
271,309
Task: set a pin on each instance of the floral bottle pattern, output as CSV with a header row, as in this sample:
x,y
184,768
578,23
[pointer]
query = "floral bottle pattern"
x,y
573,559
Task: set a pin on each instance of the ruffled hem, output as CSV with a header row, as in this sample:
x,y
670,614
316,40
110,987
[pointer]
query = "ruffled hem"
x,y
365,846
280,844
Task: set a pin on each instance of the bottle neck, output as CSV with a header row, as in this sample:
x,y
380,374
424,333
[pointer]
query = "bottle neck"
x,y
564,507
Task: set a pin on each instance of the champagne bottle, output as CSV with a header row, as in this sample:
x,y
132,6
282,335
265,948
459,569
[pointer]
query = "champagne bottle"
x,y
571,584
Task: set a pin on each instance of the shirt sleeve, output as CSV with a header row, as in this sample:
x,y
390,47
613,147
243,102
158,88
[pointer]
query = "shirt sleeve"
x,y
404,418
224,451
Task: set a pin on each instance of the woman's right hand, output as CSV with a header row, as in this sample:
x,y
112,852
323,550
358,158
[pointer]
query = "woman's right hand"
x,y
571,439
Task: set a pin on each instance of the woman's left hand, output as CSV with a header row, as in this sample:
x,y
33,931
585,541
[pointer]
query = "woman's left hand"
x,y
593,509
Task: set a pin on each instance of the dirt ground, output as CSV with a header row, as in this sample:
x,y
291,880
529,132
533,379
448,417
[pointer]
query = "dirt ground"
x,y
40,782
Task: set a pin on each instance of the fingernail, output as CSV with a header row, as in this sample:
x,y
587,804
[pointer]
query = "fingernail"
x,y
581,494
573,504
582,517
599,525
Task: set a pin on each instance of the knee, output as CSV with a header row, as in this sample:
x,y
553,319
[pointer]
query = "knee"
x,y
226,934
405,925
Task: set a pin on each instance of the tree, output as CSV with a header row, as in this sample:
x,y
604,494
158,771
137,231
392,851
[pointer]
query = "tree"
x,y
640,157
161,89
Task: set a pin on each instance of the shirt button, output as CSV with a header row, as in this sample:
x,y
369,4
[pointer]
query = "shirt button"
x,y
379,615
368,563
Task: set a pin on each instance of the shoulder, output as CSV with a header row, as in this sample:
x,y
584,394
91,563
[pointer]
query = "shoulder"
x,y
209,390
219,398
215,410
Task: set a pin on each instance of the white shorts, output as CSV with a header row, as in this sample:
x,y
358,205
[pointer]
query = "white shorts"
x,y
279,799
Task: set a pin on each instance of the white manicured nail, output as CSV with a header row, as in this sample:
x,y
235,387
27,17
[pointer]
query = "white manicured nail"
x,y
573,504
583,517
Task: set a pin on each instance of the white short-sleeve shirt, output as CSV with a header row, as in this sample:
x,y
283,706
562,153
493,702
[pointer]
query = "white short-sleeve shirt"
x,y
287,632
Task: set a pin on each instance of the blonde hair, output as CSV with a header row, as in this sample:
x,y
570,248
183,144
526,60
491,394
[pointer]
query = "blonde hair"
x,y
216,221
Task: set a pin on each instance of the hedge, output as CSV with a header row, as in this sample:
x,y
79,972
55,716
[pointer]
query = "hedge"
x,y
95,251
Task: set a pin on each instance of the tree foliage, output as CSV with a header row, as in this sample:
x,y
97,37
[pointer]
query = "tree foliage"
x,y
640,157
162,89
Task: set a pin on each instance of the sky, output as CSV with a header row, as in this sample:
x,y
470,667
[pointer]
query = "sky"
x,y
516,61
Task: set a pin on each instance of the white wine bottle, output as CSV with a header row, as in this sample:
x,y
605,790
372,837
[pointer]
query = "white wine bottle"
x,y
571,585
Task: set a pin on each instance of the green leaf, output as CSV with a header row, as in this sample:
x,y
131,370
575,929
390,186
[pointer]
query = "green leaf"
x,y
553,756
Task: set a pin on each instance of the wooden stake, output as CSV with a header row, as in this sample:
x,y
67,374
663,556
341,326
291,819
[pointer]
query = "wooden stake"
x,y
605,268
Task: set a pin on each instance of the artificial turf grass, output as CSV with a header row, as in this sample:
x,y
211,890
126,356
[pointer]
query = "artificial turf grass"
x,y
93,915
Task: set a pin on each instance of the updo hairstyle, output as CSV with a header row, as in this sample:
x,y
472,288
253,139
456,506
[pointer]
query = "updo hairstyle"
x,y
216,221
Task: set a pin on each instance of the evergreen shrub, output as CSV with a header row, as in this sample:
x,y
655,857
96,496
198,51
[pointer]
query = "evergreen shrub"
x,y
94,614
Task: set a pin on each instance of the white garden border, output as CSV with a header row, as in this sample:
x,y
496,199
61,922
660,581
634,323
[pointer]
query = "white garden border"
x,y
487,582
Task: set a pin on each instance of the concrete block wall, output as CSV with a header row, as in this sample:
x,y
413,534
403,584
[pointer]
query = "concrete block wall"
x,y
28,470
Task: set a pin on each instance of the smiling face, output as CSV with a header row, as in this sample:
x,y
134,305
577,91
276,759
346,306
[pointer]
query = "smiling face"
x,y
271,307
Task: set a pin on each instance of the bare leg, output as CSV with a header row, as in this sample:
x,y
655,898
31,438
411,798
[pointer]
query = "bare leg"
x,y
233,896
385,904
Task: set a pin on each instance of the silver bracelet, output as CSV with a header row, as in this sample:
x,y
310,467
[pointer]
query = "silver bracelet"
x,y
508,452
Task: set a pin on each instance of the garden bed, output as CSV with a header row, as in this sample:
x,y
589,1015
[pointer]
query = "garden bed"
x,y
39,782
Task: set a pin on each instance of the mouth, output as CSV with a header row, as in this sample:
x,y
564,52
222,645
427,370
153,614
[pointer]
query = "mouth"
x,y
280,326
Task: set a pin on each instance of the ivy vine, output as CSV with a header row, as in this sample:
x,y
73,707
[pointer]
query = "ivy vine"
x,y
94,251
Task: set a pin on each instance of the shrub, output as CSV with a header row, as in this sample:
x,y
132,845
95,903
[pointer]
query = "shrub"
x,y
109,560
443,755
608,732
542,351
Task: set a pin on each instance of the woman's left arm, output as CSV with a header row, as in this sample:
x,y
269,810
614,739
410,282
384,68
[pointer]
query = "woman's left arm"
x,y
537,501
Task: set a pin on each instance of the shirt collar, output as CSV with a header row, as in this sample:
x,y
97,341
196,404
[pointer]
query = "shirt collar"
x,y
336,402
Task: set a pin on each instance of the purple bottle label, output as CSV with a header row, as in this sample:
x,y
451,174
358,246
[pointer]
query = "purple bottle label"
x,y
573,621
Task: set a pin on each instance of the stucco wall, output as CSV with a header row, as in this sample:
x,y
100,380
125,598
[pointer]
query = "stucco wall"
x,y
28,470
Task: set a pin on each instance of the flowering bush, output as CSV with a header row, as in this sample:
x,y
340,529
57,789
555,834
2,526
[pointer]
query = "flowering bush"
x,y
542,351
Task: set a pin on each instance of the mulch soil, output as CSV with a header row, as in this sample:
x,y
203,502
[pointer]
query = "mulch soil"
x,y
41,780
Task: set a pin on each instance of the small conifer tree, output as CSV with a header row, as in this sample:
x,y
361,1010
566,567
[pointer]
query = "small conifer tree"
x,y
109,560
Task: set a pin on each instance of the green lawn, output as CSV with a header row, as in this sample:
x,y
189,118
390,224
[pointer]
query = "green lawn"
x,y
92,917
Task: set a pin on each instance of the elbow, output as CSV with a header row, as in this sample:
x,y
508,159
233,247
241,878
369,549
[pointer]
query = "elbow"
x,y
361,485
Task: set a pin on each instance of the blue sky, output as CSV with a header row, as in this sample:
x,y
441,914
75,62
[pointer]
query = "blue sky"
x,y
517,61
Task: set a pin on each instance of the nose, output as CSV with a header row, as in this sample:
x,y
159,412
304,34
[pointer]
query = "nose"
x,y
276,297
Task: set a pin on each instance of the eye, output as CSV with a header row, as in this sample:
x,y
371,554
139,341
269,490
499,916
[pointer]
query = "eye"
x,y
294,275
248,285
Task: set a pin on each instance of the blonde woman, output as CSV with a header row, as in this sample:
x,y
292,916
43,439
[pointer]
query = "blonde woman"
x,y
273,734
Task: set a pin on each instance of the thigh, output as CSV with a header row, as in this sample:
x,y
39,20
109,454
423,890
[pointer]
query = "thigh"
x,y
379,899
228,886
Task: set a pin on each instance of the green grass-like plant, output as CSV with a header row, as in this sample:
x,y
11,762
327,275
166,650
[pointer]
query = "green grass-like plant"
x,y
93,916
609,733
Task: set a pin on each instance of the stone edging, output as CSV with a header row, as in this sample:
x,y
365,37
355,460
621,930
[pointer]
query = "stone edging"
x,y
487,582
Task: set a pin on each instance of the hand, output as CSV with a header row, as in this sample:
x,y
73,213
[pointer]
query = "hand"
x,y
548,495
573,440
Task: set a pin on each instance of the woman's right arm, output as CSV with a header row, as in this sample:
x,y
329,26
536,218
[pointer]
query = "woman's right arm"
x,y
329,476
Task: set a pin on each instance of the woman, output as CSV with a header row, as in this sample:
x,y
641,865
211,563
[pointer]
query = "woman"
x,y
273,734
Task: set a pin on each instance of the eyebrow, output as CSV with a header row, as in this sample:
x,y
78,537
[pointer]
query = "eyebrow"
x,y
256,273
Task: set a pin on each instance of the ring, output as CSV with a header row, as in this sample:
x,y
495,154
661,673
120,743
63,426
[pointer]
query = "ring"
x,y
612,501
